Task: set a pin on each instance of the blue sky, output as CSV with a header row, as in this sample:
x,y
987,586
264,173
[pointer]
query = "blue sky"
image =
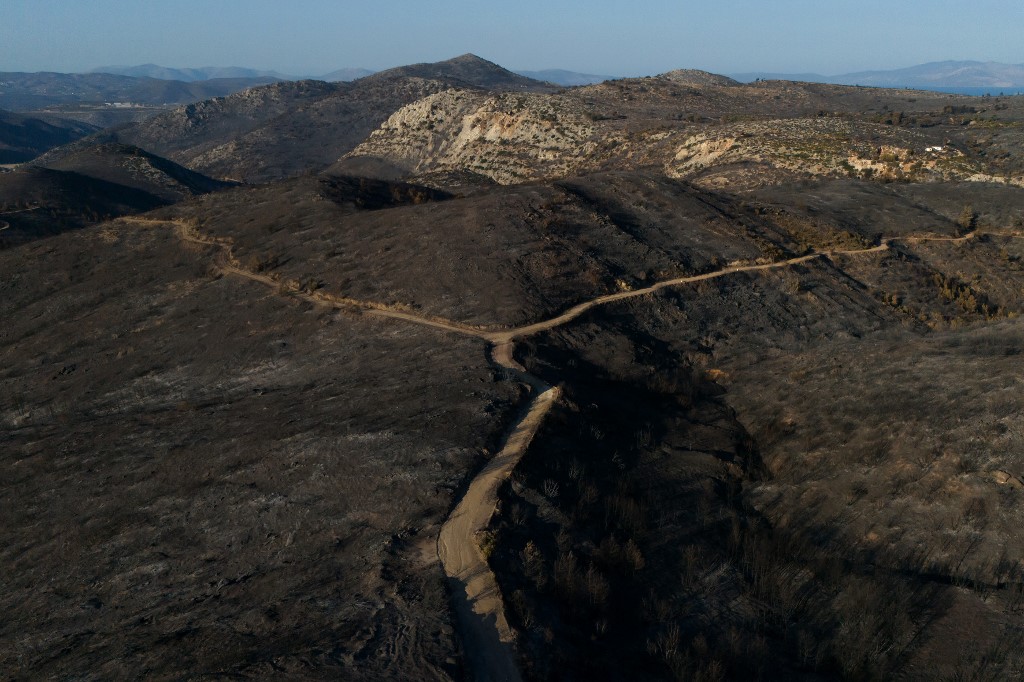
x,y
311,37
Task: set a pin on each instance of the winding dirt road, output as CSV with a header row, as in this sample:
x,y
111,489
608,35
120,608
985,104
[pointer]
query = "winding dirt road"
x,y
4,225
479,610
22,210
487,637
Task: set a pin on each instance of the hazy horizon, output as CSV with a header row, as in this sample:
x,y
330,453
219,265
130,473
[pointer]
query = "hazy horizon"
x,y
602,37
553,67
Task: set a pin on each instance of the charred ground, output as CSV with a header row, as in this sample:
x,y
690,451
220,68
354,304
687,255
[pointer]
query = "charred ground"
x,y
220,461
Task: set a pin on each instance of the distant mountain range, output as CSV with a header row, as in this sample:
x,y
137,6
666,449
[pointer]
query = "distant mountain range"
x,y
32,91
968,77
563,77
158,86
557,76
204,73
346,75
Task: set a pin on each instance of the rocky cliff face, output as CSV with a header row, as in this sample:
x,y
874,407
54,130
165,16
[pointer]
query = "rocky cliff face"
x,y
513,138
508,138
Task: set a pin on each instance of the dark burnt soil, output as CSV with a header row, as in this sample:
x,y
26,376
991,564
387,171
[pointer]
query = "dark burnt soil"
x,y
509,256
205,477
134,168
81,186
775,476
23,138
744,479
874,209
40,202
809,472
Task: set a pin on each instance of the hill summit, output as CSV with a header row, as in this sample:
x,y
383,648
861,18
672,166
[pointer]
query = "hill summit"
x,y
468,69
698,77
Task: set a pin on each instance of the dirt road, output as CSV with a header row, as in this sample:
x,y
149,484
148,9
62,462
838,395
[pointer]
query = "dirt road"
x,y
479,610
487,637
4,225
22,210
577,310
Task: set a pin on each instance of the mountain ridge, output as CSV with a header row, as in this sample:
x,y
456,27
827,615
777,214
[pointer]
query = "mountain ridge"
x,y
565,77
273,131
190,75
347,74
25,91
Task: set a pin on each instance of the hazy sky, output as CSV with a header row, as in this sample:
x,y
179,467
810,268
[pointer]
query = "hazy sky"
x,y
312,37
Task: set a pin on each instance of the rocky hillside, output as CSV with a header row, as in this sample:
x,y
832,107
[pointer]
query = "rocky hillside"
x,y
508,128
698,78
832,147
508,138
287,128
641,123
190,129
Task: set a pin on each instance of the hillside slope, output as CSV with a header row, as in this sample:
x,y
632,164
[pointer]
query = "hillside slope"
x,y
80,185
701,127
667,378
288,128
132,167
246,510
23,138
